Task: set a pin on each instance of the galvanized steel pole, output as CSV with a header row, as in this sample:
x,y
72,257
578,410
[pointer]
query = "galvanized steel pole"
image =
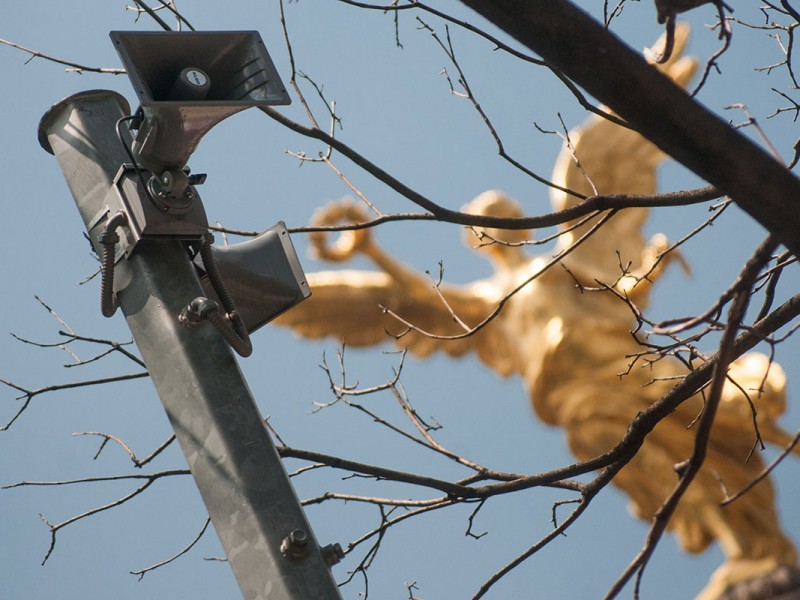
x,y
254,509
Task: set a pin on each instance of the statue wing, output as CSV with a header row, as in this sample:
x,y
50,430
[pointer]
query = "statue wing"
x,y
351,306
605,158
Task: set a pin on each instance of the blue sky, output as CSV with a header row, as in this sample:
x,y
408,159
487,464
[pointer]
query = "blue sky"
x,y
396,109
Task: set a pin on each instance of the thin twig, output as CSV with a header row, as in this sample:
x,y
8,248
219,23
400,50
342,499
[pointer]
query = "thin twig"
x,y
142,572
74,67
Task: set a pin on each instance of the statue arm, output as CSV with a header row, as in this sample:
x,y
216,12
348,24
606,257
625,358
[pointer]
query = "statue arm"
x,y
353,306
365,308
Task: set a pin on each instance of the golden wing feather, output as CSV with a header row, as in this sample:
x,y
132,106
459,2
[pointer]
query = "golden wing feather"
x,y
352,306
606,158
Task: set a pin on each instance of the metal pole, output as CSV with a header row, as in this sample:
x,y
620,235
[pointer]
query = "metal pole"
x,y
251,502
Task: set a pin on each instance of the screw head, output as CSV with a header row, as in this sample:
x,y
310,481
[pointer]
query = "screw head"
x,y
295,545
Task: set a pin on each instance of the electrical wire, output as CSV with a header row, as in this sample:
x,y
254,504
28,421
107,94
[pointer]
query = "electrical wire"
x,y
157,203
109,239
237,336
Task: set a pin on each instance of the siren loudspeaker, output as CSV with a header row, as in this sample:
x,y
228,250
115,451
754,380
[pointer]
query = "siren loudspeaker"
x,y
263,275
187,82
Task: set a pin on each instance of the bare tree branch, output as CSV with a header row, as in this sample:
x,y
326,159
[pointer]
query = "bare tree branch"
x,y
74,67
637,92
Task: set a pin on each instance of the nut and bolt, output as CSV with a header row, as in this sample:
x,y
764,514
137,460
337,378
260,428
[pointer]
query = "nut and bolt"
x,y
295,545
332,553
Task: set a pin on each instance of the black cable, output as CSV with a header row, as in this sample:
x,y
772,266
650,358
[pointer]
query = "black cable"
x,y
205,309
109,239
244,347
157,203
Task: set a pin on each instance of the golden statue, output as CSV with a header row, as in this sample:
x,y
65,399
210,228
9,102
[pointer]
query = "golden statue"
x,y
570,346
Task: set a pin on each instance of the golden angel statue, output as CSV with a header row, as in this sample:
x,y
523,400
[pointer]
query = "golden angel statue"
x,y
570,347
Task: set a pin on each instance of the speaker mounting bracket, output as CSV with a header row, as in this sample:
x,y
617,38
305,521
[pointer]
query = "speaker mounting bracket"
x,y
146,218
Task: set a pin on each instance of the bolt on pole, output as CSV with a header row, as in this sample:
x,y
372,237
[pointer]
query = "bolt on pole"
x,y
255,511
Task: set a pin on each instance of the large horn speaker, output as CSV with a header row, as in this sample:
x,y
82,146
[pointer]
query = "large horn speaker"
x,y
263,275
187,82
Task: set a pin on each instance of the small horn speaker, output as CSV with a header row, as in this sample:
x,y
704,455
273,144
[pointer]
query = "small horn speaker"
x,y
187,82
263,275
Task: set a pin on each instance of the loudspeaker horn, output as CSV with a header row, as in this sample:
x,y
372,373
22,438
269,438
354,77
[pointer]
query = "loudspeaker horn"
x,y
187,82
263,275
